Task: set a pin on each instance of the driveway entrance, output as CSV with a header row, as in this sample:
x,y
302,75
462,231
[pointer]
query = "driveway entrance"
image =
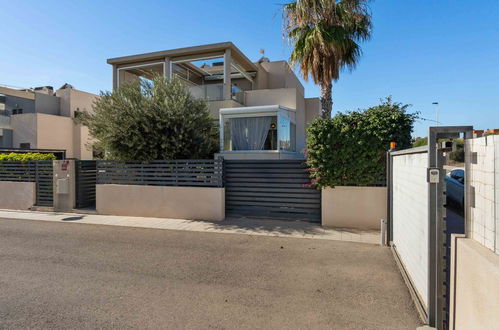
x,y
278,189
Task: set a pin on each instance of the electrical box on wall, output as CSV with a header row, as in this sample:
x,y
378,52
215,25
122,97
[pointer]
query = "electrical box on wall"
x,y
433,175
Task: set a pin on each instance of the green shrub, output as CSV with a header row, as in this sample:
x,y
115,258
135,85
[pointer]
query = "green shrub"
x,y
458,155
24,157
350,148
419,142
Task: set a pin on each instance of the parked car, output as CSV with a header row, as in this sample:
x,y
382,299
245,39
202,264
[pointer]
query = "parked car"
x,y
454,182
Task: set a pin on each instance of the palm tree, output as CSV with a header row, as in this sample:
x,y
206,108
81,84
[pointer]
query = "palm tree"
x,y
325,36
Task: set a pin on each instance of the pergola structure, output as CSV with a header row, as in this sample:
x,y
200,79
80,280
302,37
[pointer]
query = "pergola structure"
x,y
213,72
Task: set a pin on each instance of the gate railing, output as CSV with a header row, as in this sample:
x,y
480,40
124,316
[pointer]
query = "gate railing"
x,y
203,173
86,178
39,171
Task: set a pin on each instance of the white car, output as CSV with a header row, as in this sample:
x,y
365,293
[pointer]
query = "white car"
x,y
454,182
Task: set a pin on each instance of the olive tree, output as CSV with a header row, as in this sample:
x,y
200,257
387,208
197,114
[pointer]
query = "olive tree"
x,y
152,119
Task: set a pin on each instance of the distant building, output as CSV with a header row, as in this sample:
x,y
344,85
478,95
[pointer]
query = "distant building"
x,y
40,118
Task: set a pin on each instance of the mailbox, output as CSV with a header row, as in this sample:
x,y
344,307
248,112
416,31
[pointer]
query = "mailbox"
x,y
62,186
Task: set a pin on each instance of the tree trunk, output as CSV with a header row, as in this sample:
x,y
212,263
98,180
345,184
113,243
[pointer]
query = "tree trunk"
x,y
326,100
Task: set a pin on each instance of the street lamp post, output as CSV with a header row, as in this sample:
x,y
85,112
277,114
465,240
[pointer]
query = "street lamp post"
x,y
436,111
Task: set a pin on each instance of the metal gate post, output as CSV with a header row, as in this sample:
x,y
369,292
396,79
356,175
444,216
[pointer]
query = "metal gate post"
x,y
36,181
436,226
432,203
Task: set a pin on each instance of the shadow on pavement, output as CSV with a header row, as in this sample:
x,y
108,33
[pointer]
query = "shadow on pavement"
x,y
73,218
270,225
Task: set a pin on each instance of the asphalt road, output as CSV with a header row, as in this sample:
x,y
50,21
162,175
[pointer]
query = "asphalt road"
x,y
66,275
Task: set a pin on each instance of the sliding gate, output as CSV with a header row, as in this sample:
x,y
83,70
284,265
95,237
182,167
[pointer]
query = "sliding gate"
x,y
270,189
44,182
418,220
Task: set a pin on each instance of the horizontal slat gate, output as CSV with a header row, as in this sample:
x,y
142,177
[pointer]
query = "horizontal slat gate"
x,y
270,189
44,183
39,171
86,178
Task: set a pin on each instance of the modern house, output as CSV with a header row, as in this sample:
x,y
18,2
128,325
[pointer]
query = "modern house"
x,y
40,119
260,106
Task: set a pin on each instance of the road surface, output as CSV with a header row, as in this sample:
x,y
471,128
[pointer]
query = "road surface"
x,y
68,275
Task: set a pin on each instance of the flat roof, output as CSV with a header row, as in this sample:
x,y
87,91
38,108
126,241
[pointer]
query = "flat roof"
x,y
255,108
238,56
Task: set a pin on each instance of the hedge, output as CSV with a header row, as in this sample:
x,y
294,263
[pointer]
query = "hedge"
x,y
350,148
24,157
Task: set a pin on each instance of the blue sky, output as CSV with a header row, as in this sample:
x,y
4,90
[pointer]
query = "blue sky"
x,y
421,51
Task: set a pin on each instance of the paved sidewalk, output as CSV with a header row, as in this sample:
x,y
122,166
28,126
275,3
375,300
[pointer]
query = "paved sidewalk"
x,y
261,227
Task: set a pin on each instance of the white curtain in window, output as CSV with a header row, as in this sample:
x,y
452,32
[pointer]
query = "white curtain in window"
x,y
249,133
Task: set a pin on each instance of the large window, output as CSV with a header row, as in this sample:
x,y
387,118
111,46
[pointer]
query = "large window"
x,y
250,133
244,129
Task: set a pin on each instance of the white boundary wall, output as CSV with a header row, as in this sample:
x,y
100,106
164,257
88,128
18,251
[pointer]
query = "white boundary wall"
x,y
410,217
483,219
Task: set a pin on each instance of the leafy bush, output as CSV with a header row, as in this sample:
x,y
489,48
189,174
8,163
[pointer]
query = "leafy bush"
x,y
24,157
350,148
419,142
146,120
458,155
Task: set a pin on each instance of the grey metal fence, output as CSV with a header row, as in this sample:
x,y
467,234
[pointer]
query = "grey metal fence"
x,y
204,173
39,171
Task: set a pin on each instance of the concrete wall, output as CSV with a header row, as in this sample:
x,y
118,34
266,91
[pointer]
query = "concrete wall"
x,y
262,78
475,286
24,129
483,220
280,75
48,104
215,106
282,96
82,143
64,183
353,207
6,138
55,132
162,202
14,102
44,131
17,195
73,100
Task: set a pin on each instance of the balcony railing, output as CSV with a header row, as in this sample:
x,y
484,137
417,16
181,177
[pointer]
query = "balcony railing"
x,y
214,92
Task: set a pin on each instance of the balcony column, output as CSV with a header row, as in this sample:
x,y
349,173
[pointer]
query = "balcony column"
x,y
167,68
115,77
227,88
